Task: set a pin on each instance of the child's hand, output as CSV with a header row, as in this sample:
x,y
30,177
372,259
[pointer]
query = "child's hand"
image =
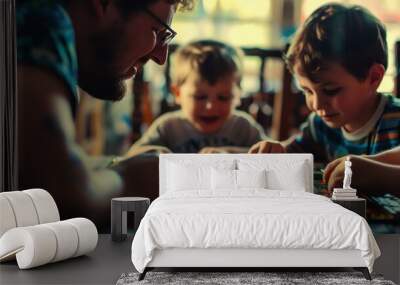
x,y
133,151
267,147
209,149
334,173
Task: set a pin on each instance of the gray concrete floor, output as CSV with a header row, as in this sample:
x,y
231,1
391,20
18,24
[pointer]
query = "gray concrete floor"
x,y
110,259
102,266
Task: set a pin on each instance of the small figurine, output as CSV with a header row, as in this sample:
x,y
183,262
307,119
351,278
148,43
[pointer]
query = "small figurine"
x,y
347,174
347,192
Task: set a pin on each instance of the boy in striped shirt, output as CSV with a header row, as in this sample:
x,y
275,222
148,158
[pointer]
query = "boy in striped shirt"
x,y
339,57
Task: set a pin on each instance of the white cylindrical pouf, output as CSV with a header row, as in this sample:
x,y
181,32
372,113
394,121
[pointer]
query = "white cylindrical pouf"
x,y
7,218
34,246
67,239
87,234
23,207
45,205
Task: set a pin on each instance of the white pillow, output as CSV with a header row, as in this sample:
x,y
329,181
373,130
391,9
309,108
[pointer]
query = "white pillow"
x,y
293,179
230,180
187,175
223,179
183,177
281,174
251,178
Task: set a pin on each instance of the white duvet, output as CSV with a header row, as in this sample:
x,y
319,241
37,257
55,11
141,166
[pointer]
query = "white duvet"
x,y
250,219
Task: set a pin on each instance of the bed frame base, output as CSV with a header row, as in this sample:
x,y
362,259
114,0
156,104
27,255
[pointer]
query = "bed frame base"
x,y
251,259
364,270
143,274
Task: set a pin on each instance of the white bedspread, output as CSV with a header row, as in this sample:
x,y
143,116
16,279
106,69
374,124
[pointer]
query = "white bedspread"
x,y
251,219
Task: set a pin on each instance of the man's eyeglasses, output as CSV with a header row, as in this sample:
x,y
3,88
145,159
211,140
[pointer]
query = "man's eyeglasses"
x,y
164,37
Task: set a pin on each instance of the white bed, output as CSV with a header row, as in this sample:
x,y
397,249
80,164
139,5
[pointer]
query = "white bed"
x,y
266,216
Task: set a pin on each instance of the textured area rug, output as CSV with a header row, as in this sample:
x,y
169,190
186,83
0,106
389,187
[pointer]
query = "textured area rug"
x,y
230,278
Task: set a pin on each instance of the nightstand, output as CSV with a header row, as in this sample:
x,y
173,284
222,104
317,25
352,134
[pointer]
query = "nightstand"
x,y
357,205
119,209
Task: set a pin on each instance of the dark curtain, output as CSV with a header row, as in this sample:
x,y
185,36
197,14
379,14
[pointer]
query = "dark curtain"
x,y
8,118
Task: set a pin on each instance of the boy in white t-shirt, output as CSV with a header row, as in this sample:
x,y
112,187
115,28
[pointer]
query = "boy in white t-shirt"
x,y
206,83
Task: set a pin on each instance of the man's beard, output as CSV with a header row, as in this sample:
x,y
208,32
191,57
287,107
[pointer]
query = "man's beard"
x,y
102,87
98,78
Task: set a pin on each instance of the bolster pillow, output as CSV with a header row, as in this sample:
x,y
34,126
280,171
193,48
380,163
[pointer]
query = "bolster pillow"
x,y
40,244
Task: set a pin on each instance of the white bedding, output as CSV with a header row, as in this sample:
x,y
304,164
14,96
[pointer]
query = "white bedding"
x,y
250,219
